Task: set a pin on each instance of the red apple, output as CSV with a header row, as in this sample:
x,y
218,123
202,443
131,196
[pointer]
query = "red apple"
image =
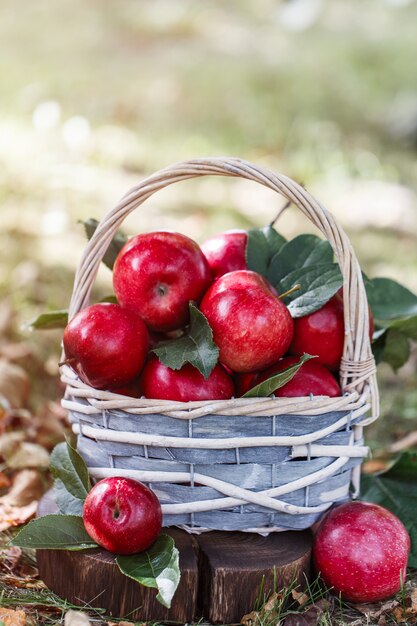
x,y
361,551
106,345
226,252
250,324
244,382
131,389
122,515
321,334
186,384
311,378
157,274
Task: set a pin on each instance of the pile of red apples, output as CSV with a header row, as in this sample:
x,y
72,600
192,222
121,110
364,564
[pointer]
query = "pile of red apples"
x,y
156,275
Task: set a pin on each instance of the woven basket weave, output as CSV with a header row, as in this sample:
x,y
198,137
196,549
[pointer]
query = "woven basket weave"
x,y
253,464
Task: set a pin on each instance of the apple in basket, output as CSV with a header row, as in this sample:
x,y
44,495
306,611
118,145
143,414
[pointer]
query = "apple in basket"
x,y
250,324
106,345
122,515
157,274
312,378
186,384
226,252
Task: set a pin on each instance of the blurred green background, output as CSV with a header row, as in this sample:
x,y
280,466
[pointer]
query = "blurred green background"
x,y
93,96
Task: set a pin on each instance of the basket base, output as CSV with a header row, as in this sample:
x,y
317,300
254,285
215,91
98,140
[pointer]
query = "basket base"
x,y
221,574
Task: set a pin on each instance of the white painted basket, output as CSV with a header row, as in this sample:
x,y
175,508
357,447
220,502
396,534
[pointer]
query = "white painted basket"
x,y
253,464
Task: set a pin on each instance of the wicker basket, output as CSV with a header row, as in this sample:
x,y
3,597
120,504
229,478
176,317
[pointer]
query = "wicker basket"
x,y
253,464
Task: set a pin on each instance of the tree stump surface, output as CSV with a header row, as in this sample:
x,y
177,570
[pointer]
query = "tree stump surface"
x,y
221,574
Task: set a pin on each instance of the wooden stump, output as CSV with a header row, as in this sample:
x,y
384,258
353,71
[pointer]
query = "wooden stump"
x,y
221,574
234,565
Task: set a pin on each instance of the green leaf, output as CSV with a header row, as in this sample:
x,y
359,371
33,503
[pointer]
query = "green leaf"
x,y
396,350
262,245
407,326
267,387
196,348
65,501
48,320
318,283
69,466
302,251
389,300
55,532
158,568
378,345
396,489
116,243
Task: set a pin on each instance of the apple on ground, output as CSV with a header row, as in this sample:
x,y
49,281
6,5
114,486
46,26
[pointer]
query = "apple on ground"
x,y
226,252
157,274
251,326
312,378
122,515
361,551
106,345
186,384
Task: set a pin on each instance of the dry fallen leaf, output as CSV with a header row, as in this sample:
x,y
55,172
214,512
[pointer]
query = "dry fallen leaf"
x,y
16,515
376,610
408,609
21,502
4,481
12,618
9,443
28,455
300,597
10,558
270,610
27,486
126,624
14,385
310,617
76,618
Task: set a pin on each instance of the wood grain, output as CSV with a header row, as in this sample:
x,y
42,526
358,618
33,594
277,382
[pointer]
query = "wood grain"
x,y
232,566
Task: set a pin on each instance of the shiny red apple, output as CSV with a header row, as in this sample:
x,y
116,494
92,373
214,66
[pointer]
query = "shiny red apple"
x,y
122,515
226,252
361,551
106,345
321,334
186,384
157,274
312,378
250,324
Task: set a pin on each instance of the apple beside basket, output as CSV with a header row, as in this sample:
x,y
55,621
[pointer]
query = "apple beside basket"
x,y
250,464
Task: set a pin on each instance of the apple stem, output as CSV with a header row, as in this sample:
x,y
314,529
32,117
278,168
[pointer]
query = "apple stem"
x,y
66,362
290,291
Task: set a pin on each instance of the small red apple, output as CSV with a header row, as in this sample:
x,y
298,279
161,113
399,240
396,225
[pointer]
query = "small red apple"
x,y
361,551
321,334
311,378
226,252
157,274
250,324
122,515
186,384
106,345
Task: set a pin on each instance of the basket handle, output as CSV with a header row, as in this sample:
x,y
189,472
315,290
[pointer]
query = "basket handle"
x,y
358,365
